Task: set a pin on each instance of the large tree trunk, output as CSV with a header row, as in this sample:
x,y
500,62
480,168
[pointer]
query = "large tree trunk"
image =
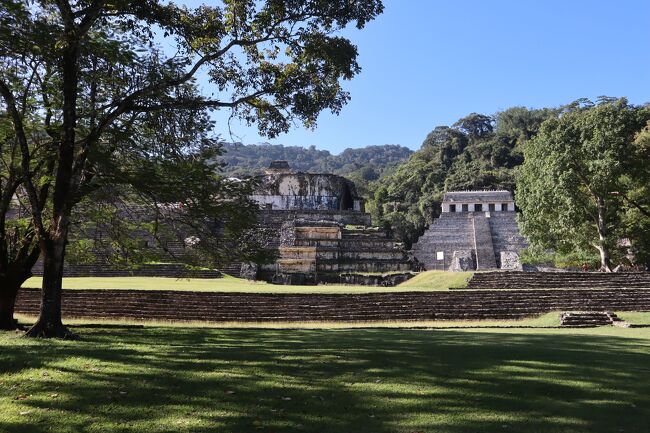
x,y
8,294
605,261
603,248
17,268
53,244
49,324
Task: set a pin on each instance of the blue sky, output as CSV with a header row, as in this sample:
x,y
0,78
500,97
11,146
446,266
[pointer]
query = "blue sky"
x,y
429,62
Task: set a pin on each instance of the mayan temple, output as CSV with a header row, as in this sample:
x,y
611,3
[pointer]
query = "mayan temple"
x,y
477,230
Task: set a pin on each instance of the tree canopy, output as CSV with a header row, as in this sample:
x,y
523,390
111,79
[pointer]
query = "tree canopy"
x,y
251,159
88,75
582,175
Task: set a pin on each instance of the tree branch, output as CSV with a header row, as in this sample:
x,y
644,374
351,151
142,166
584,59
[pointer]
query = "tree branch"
x,y
26,157
641,209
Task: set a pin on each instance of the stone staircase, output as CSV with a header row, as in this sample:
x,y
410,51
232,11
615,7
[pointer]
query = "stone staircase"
x,y
487,234
232,269
505,234
451,232
483,245
590,319
403,306
558,280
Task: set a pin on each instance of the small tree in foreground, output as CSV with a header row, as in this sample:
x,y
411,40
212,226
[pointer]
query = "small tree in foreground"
x,y
89,70
575,174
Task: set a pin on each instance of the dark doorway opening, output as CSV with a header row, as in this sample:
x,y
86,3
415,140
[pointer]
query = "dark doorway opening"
x,y
504,207
465,208
491,207
347,202
478,208
452,208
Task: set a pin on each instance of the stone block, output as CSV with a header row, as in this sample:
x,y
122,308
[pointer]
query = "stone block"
x,y
248,270
510,261
462,261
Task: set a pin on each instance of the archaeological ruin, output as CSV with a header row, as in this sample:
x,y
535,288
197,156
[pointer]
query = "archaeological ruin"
x,y
321,232
282,189
318,232
477,230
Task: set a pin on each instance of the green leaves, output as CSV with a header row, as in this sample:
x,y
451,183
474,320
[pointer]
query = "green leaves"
x,y
136,132
571,169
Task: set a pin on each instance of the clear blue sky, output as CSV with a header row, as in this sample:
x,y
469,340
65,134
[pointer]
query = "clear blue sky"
x,y
430,62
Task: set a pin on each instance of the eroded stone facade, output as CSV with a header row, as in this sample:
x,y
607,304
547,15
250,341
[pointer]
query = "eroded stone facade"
x,y
282,189
323,233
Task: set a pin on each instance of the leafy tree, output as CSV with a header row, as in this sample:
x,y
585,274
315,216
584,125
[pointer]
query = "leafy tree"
x,y
636,198
251,159
89,71
574,175
475,125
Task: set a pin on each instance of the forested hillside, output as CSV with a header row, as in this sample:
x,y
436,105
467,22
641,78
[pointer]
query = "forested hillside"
x,y
476,152
371,161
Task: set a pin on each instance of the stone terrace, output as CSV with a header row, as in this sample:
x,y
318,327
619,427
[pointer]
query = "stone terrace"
x,y
316,253
558,280
402,306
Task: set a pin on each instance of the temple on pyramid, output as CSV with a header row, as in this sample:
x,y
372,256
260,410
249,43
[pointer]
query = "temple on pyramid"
x,y
477,230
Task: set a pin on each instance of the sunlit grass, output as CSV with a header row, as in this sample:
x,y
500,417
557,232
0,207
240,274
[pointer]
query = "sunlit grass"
x,y
545,320
635,317
181,379
437,280
426,281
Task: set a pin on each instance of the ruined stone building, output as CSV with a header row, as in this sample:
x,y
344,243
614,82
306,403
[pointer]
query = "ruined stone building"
x,y
322,233
477,230
281,189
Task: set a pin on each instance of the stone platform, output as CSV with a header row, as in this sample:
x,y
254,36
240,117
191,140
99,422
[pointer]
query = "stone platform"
x,y
399,306
312,252
558,280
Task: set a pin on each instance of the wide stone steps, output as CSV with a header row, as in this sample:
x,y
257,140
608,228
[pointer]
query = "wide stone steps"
x,y
232,269
558,280
483,245
584,319
362,235
363,265
329,253
218,307
348,244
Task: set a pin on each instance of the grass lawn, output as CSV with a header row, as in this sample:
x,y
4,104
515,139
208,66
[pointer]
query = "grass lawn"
x,y
426,281
635,317
544,321
172,379
437,280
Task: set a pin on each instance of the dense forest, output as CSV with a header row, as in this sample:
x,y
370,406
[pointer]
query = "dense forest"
x,y
476,152
362,165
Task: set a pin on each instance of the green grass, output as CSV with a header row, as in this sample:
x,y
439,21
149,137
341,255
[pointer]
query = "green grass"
x,y
171,379
543,321
635,317
431,280
437,280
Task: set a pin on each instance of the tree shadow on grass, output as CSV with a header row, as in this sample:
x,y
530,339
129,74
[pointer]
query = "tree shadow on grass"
x,y
249,380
